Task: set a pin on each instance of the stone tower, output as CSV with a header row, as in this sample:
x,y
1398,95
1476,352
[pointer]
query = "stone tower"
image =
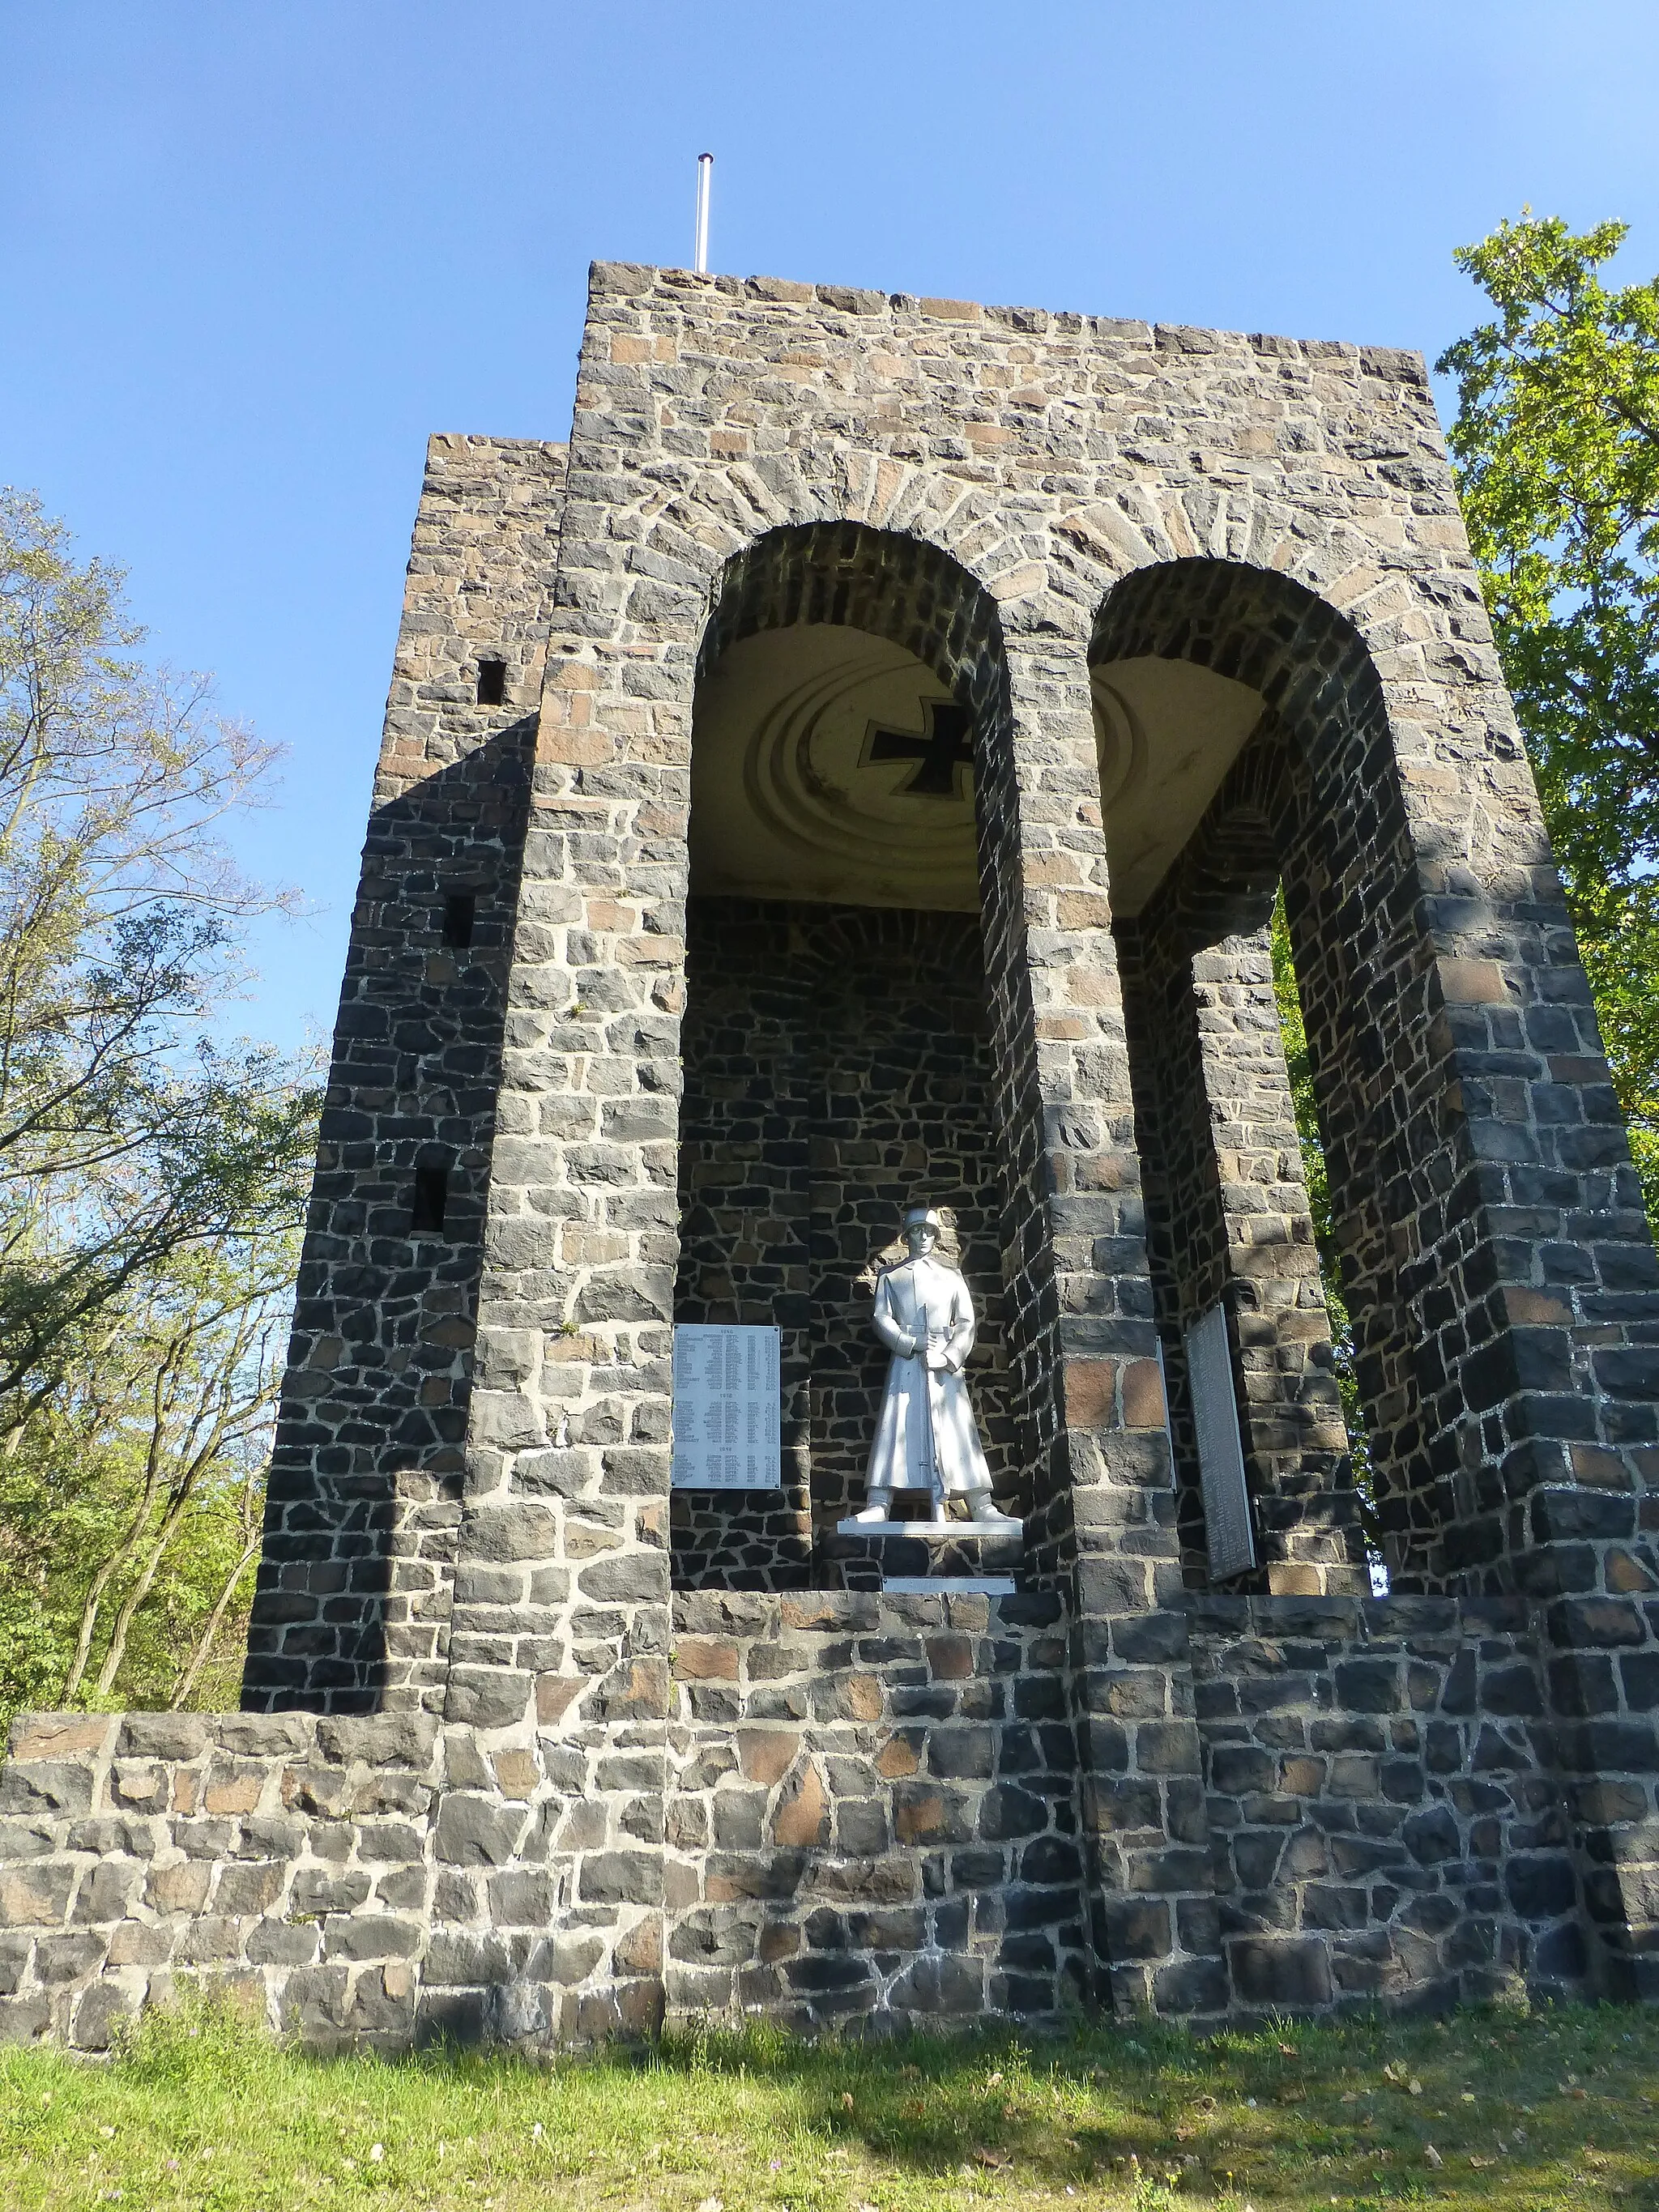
x,y
862,765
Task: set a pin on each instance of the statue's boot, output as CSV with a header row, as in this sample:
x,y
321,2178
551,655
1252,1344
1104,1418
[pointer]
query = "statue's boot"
x,y
984,1515
880,1507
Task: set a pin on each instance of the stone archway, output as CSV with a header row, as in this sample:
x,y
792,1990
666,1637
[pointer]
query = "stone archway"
x,y
860,577
850,683
1433,1004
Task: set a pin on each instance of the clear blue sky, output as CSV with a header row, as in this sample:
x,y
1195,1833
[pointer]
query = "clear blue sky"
x,y
254,250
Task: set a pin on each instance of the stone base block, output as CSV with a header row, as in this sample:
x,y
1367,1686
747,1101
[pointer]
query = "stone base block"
x,y
949,1585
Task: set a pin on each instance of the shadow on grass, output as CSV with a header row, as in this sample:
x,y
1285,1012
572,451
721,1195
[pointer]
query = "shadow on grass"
x,y
1546,2108
1294,2111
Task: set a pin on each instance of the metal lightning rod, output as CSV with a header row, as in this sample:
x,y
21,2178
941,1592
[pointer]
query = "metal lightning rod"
x,y
705,177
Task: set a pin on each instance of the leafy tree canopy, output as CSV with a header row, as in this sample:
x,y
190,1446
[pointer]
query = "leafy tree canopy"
x,y
152,1177
1557,441
127,1134
1557,447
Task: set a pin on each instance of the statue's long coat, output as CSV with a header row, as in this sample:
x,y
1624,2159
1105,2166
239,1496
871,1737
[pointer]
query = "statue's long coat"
x,y
926,1436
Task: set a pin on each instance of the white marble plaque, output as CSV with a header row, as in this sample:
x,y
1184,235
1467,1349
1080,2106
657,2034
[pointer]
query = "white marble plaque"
x,y
727,1399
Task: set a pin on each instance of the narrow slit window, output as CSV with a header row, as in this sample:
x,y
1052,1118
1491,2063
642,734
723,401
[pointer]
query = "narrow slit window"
x,y
492,683
460,911
431,1198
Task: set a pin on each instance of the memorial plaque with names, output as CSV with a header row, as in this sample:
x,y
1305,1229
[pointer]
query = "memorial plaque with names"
x,y
727,1408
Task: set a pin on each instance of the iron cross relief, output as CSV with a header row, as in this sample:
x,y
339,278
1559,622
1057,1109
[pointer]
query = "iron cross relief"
x,y
946,749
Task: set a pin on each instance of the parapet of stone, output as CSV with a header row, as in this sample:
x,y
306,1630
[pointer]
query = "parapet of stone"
x,y
288,1855
867,1821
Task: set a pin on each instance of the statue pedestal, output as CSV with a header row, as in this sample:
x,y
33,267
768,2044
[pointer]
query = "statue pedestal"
x,y
928,1559
949,1585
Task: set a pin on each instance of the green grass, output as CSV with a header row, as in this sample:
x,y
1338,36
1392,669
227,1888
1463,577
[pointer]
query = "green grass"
x,y
201,2109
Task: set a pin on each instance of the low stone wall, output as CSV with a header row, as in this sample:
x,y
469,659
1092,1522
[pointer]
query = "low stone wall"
x,y
1384,1825
871,1810
847,1809
869,1815
290,1854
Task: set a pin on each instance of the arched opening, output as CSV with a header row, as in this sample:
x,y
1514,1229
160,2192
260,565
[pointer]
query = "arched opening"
x,y
835,1041
1265,703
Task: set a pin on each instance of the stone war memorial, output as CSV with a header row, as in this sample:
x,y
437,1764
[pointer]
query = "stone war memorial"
x,y
851,781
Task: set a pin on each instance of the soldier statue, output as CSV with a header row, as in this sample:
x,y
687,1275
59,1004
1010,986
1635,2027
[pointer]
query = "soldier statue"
x,y
925,1437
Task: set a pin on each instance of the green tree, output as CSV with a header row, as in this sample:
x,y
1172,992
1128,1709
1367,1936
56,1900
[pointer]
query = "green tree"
x,y
131,1499
152,1179
1556,443
127,1135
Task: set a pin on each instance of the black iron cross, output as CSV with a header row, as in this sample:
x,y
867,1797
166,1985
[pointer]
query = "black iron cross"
x,y
947,746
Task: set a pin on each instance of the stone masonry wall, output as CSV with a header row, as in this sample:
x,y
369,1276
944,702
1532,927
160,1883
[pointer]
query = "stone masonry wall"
x,y
290,1855
1008,492
1385,1826
1012,494
872,1811
745,1220
836,1072
871,1818
352,1606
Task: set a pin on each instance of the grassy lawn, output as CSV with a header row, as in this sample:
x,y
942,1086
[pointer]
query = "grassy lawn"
x,y
202,2111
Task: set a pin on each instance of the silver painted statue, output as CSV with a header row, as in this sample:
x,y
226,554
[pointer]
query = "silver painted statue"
x,y
926,1436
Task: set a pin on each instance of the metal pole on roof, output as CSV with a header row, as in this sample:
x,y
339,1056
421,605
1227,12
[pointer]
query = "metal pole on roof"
x,y
705,177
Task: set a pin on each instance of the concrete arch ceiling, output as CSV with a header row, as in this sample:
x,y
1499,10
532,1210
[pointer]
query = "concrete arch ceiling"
x,y
1166,733
821,770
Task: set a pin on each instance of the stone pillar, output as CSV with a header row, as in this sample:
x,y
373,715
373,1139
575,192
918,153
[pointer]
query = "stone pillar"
x,y
351,1610
1230,1224
1083,1340
558,1682
549,1839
